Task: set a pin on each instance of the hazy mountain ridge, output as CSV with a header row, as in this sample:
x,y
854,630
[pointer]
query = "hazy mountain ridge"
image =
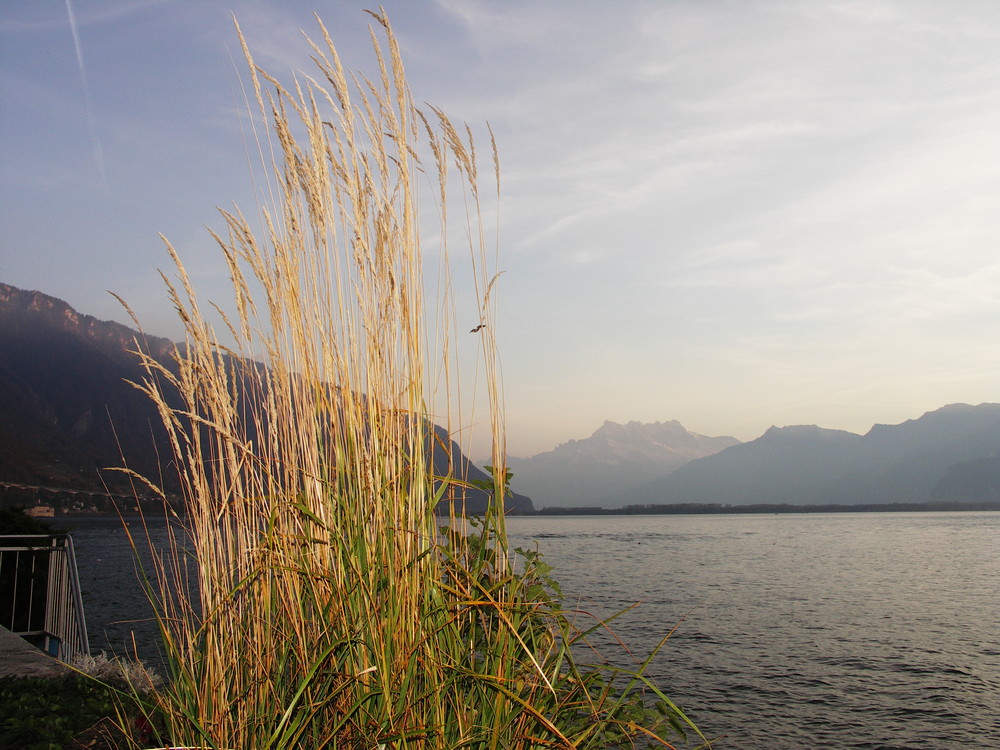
x,y
977,480
613,459
67,412
61,379
947,454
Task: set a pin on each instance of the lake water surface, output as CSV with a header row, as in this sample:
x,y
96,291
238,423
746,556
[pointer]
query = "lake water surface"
x,y
794,632
875,630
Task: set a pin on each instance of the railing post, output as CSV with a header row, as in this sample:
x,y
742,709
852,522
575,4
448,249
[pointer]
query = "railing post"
x,y
83,642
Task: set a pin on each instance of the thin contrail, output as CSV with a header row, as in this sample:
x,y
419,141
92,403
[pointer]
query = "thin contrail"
x,y
91,121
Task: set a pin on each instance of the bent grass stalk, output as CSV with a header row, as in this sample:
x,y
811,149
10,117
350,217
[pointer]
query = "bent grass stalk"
x,y
311,599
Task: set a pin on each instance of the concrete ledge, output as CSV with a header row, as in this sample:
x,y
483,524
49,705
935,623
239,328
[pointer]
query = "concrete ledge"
x,y
18,658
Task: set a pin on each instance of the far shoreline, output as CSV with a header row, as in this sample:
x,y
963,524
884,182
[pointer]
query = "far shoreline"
x,y
766,508
153,511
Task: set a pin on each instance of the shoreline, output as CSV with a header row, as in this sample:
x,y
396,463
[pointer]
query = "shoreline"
x,y
726,509
154,511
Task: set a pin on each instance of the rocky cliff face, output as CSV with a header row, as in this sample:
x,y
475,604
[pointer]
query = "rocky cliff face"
x,y
31,313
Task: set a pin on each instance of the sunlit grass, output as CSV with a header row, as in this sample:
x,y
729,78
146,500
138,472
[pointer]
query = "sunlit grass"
x,y
312,599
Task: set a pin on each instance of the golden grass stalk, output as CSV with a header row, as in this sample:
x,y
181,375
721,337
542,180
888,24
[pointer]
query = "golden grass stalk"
x,y
311,600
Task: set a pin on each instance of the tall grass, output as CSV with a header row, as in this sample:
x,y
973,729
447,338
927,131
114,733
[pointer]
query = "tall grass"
x,y
312,599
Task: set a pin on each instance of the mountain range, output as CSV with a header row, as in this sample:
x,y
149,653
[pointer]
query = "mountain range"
x,y
615,459
67,412
951,454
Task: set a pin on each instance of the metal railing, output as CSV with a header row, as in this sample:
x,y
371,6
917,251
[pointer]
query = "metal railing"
x,y
40,593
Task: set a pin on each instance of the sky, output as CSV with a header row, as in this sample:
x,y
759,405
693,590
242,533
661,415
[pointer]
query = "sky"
x,y
732,214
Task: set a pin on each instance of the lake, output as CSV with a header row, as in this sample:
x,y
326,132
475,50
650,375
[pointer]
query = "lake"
x,y
843,630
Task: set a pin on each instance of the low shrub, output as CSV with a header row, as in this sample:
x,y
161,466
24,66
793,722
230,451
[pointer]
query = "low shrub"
x,y
55,713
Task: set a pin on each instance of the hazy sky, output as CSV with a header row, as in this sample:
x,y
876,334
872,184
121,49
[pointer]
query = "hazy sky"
x,y
734,214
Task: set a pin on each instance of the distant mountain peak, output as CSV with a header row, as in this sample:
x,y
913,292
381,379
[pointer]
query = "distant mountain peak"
x,y
798,432
947,419
614,458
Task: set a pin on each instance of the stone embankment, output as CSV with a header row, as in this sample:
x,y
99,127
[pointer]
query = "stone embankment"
x,y
18,658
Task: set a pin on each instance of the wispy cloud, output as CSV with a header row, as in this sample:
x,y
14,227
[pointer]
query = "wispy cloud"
x,y
709,211
91,119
